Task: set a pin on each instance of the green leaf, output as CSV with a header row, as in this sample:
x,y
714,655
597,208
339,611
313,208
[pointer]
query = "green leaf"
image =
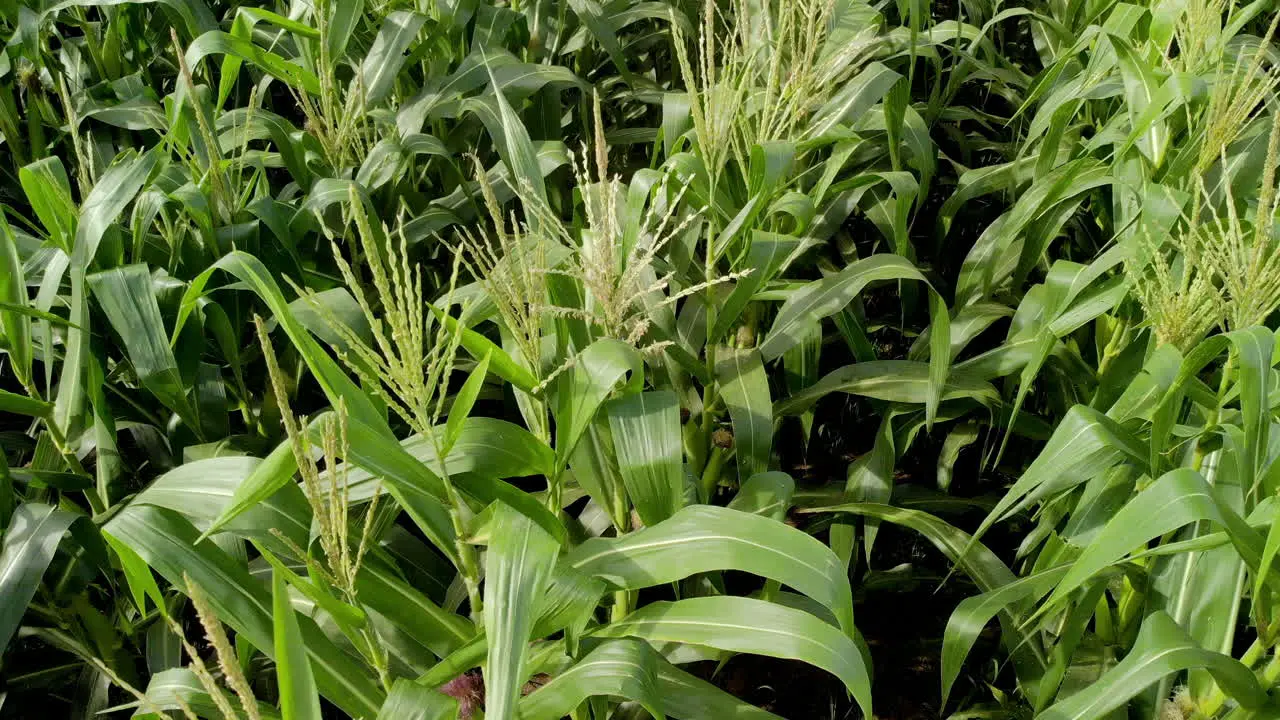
x,y
705,538
202,490
463,402
299,699
167,542
36,314
617,668
973,613
480,347
262,482
982,566
745,388
978,562
382,589
512,140
49,192
195,14
372,444
349,619
1179,497
115,189
768,254
29,544
15,326
243,27
381,66
767,494
685,696
411,701
739,624
23,405
855,98
142,584
1085,443
217,42
828,296
517,571
126,297
1162,648
173,689
901,381
346,17
1254,347
646,438
583,388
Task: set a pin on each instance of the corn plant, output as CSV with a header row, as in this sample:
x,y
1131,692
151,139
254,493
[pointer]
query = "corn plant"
x,y
606,360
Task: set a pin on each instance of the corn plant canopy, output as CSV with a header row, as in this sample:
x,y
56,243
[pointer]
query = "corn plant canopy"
x,y
613,360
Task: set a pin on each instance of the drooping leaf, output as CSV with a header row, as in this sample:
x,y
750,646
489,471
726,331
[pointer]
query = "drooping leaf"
x,y
617,668
703,538
753,626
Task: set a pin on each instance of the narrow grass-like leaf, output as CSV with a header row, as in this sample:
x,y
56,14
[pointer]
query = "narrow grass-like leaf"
x,y
15,326
517,571
262,482
512,139
1085,443
480,347
460,410
299,699
49,192
346,17
768,253
126,297
767,494
979,563
203,489
23,405
439,630
827,296
973,613
349,618
372,444
142,583
685,696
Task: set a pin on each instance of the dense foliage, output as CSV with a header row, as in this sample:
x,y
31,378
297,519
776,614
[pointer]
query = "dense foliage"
x,y
747,359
